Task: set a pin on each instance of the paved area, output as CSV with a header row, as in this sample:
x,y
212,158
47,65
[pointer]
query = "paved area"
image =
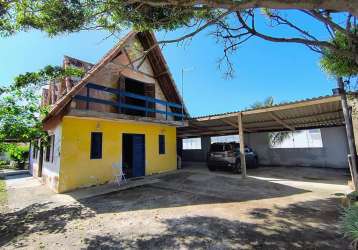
x,y
274,208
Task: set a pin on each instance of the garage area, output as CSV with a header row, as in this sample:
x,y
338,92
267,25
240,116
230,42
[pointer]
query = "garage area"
x,y
314,128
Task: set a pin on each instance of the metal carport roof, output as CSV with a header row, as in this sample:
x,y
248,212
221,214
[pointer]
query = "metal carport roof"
x,y
310,113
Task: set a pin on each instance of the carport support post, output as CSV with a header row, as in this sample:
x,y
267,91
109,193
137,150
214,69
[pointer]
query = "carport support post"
x,y
349,130
242,146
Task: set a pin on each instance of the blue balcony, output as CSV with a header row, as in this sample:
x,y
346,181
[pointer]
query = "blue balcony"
x,y
147,107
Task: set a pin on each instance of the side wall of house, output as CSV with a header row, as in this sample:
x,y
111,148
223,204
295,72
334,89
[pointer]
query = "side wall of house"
x,y
50,173
51,168
78,170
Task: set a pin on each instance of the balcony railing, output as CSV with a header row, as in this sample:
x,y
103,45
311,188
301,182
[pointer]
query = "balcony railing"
x,y
120,103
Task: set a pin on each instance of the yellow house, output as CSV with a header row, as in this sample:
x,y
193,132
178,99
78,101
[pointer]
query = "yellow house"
x,y
124,111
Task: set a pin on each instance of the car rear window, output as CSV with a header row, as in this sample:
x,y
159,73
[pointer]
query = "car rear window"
x,y
220,148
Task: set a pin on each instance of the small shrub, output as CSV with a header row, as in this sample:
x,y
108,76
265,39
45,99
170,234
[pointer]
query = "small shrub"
x,y
19,154
353,196
2,163
350,223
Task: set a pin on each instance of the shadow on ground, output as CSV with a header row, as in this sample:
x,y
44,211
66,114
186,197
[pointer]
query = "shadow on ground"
x,y
183,189
39,218
305,174
294,228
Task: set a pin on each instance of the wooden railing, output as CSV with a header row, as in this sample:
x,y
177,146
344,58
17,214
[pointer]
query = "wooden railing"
x,y
120,103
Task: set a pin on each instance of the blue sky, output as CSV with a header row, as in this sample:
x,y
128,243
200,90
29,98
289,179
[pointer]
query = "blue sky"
x,y
287,72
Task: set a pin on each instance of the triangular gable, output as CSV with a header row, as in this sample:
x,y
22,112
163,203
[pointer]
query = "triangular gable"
x,y
155,57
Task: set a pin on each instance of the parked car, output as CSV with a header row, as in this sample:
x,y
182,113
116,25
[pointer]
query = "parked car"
x,y
227,156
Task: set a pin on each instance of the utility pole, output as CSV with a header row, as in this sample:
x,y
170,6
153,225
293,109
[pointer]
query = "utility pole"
x,y
349,130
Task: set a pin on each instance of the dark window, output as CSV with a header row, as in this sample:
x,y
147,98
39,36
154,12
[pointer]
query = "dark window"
x,y
219,147
96,145
48,151
52,147
34,149
161,144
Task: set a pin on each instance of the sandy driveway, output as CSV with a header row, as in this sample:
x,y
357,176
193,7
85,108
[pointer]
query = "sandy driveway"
x,y
275,208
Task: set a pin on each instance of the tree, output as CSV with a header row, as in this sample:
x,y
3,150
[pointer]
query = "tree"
x,y
335,64
273,137
234,20
20,115
45,75
20,109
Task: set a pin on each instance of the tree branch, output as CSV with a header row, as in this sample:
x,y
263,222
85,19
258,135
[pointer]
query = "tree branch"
x,y
310,43
350,6
182,38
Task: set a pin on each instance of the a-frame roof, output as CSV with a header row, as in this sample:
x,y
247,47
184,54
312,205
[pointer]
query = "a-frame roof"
x,y
155,58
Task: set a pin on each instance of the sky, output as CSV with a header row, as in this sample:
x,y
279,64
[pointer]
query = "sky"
x,y
288,72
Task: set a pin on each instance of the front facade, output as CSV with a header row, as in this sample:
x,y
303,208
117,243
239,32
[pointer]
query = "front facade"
x,y
124,111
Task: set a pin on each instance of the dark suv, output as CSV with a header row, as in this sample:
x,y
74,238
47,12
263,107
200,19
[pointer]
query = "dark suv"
x,y
227,155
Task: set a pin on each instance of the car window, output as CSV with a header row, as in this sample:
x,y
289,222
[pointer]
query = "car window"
x,y
217,148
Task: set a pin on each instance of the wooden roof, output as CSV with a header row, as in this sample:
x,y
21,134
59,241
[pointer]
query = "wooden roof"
x,y
311,113
155,57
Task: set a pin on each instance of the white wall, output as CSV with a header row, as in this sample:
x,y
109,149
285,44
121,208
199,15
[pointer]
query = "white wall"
x,y
333,154
51,170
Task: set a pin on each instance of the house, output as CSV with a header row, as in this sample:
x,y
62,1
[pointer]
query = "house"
x,y
124,110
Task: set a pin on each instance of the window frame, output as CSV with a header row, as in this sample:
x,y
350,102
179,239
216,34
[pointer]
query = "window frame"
x,y
306,143
200,144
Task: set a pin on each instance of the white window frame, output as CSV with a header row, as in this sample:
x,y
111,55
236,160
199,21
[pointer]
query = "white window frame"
x,y
192,143
300,139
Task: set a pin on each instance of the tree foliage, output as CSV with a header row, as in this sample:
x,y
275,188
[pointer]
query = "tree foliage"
x,y
235,22
338,65
268,102
45,75
274,138
17,152
20,114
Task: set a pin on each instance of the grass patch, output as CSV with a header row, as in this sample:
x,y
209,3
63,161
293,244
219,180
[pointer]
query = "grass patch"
x,y
2,191
350,224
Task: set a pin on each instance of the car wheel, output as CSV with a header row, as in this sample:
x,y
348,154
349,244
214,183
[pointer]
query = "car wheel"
x,y
237,168
255,163
211,168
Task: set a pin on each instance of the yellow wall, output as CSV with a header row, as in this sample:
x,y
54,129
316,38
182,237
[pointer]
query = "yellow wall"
x,y
78,170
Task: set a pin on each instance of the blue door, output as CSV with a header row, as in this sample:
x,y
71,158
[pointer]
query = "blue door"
x,y
138,155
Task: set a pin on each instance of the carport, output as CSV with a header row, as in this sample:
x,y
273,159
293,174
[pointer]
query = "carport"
x,y
321,112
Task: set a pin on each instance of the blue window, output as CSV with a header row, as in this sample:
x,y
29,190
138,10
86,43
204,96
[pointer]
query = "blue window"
x,y
161,144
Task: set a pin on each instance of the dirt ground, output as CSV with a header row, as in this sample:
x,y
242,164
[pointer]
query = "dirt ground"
x,y
275,208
